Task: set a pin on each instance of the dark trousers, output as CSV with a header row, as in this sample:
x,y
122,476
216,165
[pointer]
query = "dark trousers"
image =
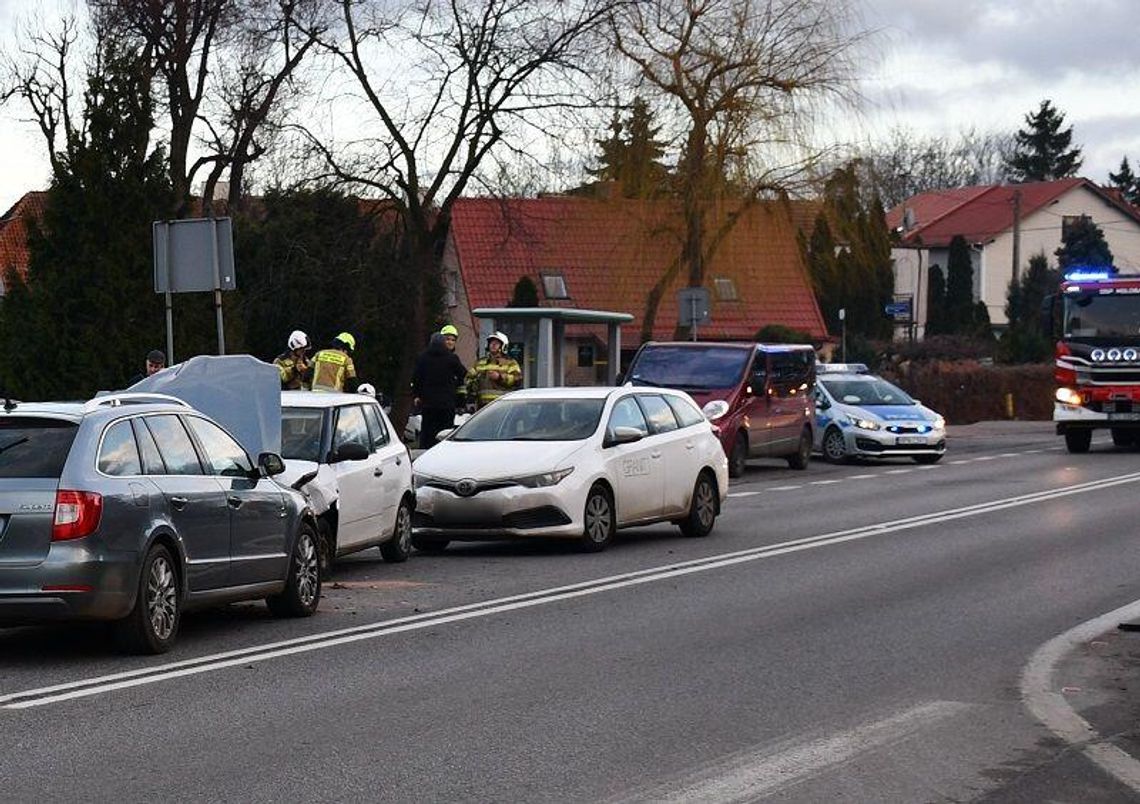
x,y
431,422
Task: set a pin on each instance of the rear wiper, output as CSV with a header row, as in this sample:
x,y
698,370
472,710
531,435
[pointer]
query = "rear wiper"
x,y
16,443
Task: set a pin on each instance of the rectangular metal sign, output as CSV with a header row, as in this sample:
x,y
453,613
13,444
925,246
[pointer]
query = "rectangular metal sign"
x,y
693,306
193,255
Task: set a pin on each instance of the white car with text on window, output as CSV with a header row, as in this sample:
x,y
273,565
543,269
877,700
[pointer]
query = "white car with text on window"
x,y
362,493
575,463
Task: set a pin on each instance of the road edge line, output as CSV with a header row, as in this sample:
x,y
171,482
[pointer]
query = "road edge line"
x,y
1054,712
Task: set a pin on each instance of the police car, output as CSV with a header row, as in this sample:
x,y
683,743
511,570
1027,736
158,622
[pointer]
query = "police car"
x,y
861,415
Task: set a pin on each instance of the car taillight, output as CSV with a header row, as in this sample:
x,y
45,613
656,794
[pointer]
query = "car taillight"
x,y
77,514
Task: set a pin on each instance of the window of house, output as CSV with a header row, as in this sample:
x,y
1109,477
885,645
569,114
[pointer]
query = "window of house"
x,y
451,289
585,355
725,289
1068,222
554,286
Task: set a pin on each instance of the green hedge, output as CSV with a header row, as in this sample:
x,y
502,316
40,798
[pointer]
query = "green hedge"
x,y
967,391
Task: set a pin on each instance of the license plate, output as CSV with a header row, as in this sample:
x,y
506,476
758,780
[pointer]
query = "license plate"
x,y
911,440
1124,417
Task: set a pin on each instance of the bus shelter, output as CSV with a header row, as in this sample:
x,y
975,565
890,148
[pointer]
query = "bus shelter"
x,y
538,337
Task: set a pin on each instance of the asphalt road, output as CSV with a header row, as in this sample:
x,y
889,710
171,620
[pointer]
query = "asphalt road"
x,y
847,633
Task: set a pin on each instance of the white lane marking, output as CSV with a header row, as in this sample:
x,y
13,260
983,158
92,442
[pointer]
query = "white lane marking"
x,y
133,678
743,493
1033,452
985,458
750,775
897,471
1010,454
825,482
926,468
786,488
959,461
1043,698
860,477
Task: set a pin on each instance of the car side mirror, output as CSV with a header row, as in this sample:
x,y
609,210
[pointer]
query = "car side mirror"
x,y
623,435
445,433
351,451
715,409
270,464
822,403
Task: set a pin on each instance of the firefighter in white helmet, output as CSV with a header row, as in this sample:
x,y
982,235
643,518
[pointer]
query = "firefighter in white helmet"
x,y
494,374
293,365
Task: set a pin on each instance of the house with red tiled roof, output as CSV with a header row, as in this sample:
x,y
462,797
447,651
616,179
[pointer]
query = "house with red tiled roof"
x,y
608,253
14,233
984,216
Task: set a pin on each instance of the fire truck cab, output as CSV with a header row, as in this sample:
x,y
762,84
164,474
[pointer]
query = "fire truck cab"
x,y
1095,319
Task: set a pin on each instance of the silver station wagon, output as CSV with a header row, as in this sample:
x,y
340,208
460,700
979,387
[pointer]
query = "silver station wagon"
x,y
134,508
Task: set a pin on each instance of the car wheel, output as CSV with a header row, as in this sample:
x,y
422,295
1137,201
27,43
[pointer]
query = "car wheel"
x,y
702,509
834,446
1122,437
1078,440
303,584
799,459
152,624
599,521
927,458
738,458
399,547
432,546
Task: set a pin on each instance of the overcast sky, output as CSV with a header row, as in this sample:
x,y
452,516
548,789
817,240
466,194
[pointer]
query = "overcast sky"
x,y
938,68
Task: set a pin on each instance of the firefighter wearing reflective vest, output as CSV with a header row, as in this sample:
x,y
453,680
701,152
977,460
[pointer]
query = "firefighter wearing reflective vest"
x,y
494,374
332,367
293,365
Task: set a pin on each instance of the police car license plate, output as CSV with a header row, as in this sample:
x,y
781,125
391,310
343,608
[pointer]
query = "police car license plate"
x,y
1124,417
911,440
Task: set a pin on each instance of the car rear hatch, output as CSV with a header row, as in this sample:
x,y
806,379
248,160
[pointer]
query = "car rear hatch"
x,y
33,451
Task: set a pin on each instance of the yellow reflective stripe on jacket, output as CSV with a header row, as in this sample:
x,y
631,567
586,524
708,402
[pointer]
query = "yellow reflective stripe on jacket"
x,y
330,368
291,378
482,387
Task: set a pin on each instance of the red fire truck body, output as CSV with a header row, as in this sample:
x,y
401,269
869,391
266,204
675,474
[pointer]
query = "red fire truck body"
x,y
1096,318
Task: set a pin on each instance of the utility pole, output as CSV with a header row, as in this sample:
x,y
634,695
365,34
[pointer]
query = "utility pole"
x,y
1017,235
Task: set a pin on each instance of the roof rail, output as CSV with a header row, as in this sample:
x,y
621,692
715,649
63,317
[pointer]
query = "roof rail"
x,y
132,398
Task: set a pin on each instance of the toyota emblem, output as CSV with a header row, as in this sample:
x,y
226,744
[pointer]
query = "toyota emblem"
x,y
465,487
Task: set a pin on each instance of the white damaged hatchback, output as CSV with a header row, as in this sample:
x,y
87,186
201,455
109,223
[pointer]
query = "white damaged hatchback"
x,y
575,463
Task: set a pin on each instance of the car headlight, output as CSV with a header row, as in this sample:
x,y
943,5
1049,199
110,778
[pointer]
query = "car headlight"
x,y
543,480
864,424
938,423
1067,396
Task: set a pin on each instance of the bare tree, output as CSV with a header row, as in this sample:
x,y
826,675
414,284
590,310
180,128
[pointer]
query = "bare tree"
x,y
221,66
745,78
444,85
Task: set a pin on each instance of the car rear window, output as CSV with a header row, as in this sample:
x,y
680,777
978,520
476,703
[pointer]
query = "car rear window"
x,y
32,447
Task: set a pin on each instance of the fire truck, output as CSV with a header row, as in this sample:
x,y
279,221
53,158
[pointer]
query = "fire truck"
x,y
1095,319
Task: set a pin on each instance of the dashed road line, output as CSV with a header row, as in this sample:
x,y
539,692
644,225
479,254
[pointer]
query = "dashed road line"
x,y
861,477
896,471
825,482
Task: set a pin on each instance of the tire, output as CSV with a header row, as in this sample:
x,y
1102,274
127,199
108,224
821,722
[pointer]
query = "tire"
x,y
399,547
738,458
152,625
430,546
702,510
1122,437
799,459
927,458
303,584
834,446
1077,441
599,521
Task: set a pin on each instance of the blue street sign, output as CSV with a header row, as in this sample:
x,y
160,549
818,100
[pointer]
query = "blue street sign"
x,y
899,309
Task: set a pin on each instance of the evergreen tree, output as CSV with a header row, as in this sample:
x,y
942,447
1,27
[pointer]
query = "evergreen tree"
x,y
525,293
936,302
88,313
959,287
819,254
1083,243
1042,151
1126,182
631,155
1023,341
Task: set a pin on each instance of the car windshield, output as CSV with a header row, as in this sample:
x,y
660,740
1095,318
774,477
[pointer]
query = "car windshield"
x,y
533,420
866,391
689,367
1090,315
34,447
301,433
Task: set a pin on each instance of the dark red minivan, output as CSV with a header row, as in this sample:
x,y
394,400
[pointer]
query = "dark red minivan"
x,y
758,395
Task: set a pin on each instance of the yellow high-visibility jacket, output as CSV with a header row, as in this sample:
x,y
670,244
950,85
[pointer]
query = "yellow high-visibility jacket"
x,y
482,389
331,367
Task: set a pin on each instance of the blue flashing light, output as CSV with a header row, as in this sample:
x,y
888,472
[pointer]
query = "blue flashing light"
x,y
1086,273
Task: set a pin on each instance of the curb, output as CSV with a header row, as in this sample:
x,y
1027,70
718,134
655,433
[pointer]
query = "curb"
x,y
1038,692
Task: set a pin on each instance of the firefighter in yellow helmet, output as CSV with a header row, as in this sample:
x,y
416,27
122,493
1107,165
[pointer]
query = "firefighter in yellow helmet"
x,y
494,374
332,367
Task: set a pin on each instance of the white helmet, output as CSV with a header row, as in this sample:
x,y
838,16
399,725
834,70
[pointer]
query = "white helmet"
x,y
500,337
298,340
366,388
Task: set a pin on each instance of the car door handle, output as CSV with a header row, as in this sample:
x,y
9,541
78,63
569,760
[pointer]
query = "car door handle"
x,y
690,445
235,502
377,472
179,502
655,455
399,460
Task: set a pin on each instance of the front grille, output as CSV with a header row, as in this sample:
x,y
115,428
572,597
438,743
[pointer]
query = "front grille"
x,y
479,486
545,517
872,446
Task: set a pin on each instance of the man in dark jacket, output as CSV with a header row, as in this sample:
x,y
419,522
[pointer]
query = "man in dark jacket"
x,y
438,377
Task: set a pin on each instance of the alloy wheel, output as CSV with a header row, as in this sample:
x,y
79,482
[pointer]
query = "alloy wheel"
x,y
706,504
834,447
308,569
162,598
599,518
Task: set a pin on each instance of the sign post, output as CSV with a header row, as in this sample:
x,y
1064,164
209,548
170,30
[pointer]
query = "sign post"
x,y
843,334
693,308
193,255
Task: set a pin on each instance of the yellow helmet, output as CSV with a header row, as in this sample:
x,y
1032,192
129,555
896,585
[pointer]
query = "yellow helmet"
x,y
347,339
449,329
